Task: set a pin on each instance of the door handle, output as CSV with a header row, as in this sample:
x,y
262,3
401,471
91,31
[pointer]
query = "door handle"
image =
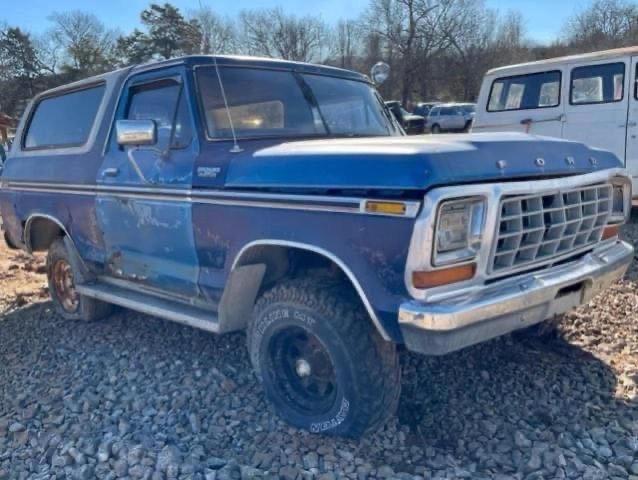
x,y
111,172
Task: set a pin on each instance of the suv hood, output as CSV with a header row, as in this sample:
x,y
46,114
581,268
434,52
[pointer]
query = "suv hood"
x,y
413,163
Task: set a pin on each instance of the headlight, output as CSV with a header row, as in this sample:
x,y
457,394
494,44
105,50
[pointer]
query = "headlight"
x,y
459,229
621,201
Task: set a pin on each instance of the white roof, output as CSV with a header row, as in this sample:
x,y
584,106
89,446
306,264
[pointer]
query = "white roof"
x,y
592,56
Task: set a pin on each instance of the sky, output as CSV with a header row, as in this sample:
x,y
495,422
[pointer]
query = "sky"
x,y
543,18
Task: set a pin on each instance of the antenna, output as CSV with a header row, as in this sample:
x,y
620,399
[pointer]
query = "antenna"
x,y
236,148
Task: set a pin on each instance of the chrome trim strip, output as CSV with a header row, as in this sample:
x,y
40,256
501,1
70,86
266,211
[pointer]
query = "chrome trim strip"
x,y
217,197
304,246
419,255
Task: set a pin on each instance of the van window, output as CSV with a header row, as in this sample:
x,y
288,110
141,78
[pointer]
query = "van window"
x,y
522,92
597,84
64,120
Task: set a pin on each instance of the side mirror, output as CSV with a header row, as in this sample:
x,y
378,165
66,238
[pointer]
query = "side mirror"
x,y
380,72
136,132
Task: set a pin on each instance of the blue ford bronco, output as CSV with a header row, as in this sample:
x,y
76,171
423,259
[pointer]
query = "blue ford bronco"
x,y
283,199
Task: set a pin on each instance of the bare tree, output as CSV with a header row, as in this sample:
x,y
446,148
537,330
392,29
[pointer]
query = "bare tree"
x,y
413,31
273,33
85,43
218,34
346,45
604,24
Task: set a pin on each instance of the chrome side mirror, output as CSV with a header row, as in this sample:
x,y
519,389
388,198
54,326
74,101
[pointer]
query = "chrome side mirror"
x,y
380,72
136,132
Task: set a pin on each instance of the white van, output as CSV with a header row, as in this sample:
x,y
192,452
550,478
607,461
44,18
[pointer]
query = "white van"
x,y
592,98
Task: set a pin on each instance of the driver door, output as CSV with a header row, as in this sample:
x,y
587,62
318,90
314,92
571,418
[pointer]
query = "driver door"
x,y
143,191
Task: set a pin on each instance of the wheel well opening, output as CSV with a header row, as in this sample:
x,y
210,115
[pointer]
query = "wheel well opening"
x,y
40,233
292,262
283,262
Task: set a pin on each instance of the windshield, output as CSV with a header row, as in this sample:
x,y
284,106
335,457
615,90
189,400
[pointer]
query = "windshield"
x,y
275,103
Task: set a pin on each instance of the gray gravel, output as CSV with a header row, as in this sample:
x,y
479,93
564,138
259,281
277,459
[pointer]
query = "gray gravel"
x,y
137,397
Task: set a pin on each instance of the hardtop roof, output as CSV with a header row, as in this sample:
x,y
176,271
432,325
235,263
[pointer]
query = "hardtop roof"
x,y
592,56
222,60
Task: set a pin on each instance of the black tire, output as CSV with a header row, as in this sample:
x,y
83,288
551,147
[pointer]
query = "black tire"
x,y
364,368
436,129
467,126
81,308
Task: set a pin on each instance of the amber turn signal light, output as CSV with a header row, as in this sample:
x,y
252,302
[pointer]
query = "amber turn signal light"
x,y
392,208
444,276
611,231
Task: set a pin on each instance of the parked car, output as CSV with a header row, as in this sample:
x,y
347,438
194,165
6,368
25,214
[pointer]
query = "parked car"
x,y
423,108
225,193
589,98
412,124
450,117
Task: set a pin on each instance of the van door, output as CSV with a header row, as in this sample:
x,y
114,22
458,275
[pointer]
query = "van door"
x,y
631,151
143,192
596,107
529,103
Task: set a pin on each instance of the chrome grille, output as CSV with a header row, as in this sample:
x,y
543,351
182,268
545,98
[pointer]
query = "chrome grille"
x,y
534,229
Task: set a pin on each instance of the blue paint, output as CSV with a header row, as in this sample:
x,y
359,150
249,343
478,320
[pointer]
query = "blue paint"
x,y
185,248
149,241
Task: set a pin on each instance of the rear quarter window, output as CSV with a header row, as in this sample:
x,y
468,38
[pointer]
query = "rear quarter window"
x,y
64,120
524,92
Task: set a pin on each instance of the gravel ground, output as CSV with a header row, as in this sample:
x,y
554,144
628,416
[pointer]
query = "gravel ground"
x,y
137,397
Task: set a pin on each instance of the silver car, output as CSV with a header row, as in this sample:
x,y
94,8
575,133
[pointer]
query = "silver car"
x,y
451,117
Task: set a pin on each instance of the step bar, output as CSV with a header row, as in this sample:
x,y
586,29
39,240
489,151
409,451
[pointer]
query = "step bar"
x,y
152,305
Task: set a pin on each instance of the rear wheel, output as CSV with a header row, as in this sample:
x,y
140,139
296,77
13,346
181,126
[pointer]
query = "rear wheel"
x,y
62,287
322,364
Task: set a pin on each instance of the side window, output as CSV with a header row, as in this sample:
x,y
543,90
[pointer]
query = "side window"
x,y
523,92
65,120
164,103
597,84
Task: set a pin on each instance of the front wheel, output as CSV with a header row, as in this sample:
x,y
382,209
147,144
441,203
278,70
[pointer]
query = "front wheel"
x,y
436,129
322,364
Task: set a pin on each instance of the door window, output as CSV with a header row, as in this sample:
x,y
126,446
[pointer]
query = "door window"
x,y
523,92
597,84
164,103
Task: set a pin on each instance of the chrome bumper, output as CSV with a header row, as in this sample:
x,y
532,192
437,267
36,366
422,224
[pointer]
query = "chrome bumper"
x,y
511,304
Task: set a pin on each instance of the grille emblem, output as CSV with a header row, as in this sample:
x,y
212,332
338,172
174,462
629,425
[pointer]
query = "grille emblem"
x,y
570,161
593,161
540,162
501,164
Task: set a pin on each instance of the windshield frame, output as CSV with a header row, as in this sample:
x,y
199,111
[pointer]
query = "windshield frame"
x,y
393,128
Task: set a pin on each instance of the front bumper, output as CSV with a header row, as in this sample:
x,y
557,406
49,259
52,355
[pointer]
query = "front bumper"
x,y
518,302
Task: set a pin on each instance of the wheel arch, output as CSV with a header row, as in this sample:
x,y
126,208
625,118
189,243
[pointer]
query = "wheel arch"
x,y
269,253
41,230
